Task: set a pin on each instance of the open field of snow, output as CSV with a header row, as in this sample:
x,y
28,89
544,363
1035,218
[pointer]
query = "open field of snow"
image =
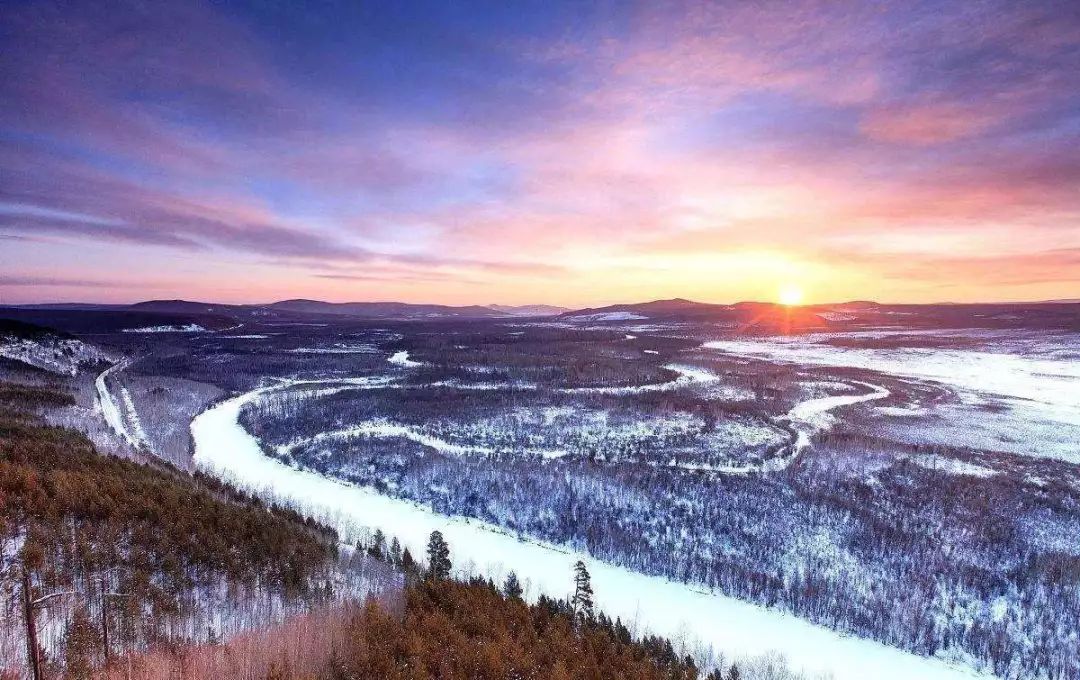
x,y
738,629
402,359
687,375
189,328
1036,380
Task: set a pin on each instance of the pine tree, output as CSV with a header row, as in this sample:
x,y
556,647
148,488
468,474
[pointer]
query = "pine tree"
x,y
438,553
582,601
512,587
79,643
407,561
378,545
395,552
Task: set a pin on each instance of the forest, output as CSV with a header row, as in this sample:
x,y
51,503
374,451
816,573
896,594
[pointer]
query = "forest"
x,y
118,569
840,537
133,553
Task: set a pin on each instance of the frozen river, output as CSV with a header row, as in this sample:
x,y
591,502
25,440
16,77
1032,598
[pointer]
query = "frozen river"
x,y
735,628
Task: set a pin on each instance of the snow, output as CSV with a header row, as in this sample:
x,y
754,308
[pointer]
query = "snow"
x,y
738,629
51,353
340,348
136,430
811,416
687,375
387,429
1037,377
189,328
951,466
402,359
112,411
610,316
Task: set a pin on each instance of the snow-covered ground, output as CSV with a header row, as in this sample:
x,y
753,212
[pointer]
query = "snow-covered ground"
x,y
386,429
812,415
1037,378
402,359
51,353
338,348
189,328
114,412
609,316
681,612
687,375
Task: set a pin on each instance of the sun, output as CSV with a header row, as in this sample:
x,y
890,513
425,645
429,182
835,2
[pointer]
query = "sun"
x,y
791,295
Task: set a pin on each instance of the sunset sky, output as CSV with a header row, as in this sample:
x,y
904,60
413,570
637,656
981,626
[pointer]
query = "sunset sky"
x,y
461,153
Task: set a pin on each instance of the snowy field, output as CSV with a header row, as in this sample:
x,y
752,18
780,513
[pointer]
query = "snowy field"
x,y
684,613
1036,378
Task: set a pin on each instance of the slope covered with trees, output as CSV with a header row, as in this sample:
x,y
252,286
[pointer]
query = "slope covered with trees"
x,y
100,554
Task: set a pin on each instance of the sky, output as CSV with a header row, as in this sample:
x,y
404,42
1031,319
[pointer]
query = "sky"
x,y
563,153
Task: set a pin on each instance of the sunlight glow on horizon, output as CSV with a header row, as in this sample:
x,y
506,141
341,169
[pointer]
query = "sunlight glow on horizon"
x,y
562,158
791,295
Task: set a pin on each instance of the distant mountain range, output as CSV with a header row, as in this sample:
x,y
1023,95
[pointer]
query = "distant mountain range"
x,y
761,316
369,310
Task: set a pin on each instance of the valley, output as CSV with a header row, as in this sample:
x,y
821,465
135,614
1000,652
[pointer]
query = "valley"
x,y
787,491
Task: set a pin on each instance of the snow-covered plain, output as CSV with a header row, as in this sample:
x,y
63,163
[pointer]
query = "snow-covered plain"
x,y
681,612
189,328
609,316
402,359
1036,378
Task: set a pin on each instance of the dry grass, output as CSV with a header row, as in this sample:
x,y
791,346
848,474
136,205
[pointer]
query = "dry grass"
x,y
300,646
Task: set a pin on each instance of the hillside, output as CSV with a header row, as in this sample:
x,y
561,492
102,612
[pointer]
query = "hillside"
x,y
141,571
751,317
395,310
46,348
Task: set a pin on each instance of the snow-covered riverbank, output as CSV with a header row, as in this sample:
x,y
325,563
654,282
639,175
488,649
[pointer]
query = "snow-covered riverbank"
x,y
223,448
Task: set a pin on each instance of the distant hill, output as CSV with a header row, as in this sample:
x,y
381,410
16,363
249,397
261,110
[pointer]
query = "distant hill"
x,y
749,316
384,310
529,310
182,307
292,308
648,310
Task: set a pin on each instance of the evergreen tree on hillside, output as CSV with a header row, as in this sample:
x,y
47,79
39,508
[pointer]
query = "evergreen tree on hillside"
x,y
582,602
438,553
512,587
395,552
377,549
